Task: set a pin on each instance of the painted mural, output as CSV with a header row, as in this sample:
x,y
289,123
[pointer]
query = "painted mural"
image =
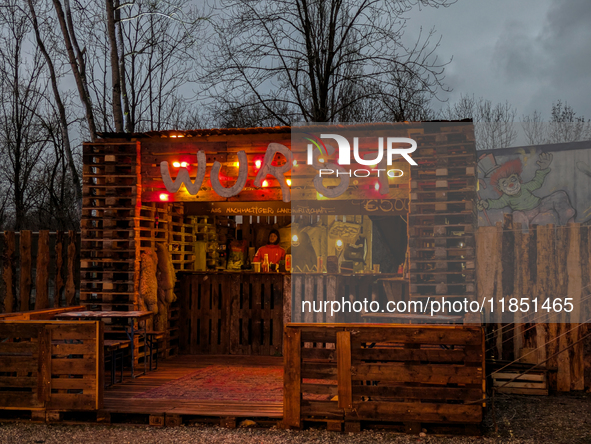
x,y
539,185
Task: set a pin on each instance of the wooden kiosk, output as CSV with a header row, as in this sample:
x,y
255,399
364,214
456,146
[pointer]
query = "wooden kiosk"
x,y
339,369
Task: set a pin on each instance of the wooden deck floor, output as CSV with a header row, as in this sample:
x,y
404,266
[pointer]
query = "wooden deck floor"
x,y
122,397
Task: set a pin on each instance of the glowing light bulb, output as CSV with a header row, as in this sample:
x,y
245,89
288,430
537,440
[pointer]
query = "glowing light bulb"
x,y
377,186
295,238
176,164
265,183
295,163
258,163
321,160
339,243
164,197
237,164
288,182
184,164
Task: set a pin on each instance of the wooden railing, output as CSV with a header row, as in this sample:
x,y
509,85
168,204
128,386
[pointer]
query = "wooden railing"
x,y
397,373
39,270
232,313
51,365
321,287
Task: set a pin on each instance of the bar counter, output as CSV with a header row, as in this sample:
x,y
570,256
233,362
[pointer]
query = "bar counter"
x,y
243,312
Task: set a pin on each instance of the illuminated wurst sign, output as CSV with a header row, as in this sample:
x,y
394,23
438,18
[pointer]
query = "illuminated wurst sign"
x,y
318,159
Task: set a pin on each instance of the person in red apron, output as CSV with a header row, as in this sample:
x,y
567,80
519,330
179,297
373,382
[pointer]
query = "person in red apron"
x,y
275,252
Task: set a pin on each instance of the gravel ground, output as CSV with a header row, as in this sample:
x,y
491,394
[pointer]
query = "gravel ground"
x,y
554,419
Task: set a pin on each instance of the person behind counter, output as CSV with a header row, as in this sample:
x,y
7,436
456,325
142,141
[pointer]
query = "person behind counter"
x,y
275,252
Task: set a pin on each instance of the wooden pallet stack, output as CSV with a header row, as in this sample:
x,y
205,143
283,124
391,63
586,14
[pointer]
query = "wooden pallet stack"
x,y
111,208
443,216
182,239
152,225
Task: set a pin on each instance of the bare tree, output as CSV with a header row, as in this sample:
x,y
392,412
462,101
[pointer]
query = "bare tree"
x,y
77,60
299,58
61,110
564,126
22,94
494,125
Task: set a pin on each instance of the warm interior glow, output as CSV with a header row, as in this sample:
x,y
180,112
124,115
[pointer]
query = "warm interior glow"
x,y
237,164
258,163
176,164
265,183
164,197
288,182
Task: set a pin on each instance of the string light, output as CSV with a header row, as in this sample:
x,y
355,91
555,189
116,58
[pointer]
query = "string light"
x,y
176,164
184,164
164,197
288,182
258,163
265,183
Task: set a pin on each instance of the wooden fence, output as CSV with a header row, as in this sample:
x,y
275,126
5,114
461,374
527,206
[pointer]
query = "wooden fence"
x,y
396,373
232,313
39,270
51,365
548,263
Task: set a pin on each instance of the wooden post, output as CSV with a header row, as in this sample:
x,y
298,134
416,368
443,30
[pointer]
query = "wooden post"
x,y
8,271
292,377
345,389
100,364
70,285
59,262
42,271
44,367
25,277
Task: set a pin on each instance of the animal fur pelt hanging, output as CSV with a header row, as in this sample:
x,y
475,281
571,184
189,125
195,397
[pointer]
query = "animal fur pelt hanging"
x,y
149,283
166,281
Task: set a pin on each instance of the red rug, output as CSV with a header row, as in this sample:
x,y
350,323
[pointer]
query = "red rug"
x,y
224,383
229,383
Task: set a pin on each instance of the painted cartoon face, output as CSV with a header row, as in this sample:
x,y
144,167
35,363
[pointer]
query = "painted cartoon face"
x,y
510,185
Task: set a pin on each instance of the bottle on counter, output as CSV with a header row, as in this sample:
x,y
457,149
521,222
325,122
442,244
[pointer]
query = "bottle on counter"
x,y
266,264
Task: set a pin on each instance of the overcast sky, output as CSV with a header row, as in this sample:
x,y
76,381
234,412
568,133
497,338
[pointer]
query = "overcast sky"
x,y
529,52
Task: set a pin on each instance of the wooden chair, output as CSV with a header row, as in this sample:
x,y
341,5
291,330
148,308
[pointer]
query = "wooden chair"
x,y
152,338
116,349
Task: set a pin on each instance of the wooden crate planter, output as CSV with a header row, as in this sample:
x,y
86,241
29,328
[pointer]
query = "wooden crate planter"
x,y
534,382
51,365
404,374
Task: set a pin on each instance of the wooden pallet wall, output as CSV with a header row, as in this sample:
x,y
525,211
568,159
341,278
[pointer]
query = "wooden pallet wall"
x,y
110,224
544,262
39,270
231,314
366,373
51,365
443,217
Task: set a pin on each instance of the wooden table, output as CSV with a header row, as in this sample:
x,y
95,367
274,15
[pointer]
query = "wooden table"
x,y
131,316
